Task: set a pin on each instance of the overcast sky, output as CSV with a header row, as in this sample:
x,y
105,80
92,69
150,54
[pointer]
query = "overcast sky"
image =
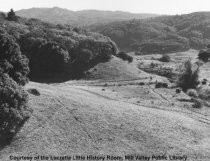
x,y
136,6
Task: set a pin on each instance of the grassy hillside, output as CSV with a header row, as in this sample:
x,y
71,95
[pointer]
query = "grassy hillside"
x,y
121,113
115,69
83,119
82,18
160,35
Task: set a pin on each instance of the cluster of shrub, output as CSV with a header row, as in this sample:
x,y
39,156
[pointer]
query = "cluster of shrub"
x,y
157,69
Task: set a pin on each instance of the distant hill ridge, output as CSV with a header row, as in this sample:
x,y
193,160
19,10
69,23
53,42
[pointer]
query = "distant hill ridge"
x,y
161,34
145,33
82,18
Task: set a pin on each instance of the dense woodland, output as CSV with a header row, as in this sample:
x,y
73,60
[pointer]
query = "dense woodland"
x,y
162,34
57,49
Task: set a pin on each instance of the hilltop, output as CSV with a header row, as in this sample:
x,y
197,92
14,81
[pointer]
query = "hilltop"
x,y
58,15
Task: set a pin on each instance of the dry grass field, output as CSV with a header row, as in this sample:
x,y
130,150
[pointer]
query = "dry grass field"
x,y
115,111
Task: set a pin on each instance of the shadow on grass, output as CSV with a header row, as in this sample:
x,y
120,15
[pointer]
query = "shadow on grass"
x,y
4,142
6,137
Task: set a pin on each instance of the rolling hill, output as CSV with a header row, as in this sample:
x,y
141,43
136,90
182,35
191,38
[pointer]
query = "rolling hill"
x,y
145,33
122,118
82,18
161,34
117,109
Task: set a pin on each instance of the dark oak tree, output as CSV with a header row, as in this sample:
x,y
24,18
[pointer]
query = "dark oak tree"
x,y
11,16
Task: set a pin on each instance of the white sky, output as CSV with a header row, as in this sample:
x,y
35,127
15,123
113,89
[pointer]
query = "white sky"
x,y
136,6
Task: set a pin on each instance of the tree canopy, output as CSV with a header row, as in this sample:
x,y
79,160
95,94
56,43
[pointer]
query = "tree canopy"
x,y
60,51
11,61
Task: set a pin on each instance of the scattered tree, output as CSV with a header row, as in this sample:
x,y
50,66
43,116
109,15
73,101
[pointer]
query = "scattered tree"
x,y
11,16
188,78
203,55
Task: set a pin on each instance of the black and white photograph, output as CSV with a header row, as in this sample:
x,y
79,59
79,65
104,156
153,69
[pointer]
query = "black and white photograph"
x,y
104,80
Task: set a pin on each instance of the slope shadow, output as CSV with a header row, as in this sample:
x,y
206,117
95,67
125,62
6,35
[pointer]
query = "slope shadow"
x,y
4,142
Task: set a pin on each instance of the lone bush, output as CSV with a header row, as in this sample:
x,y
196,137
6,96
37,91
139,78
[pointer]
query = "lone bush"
x,y
188,78
14,110
204,93
165,58
34,91
125,56
192,93
204,82
141,83
178,90
204,55
197,103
